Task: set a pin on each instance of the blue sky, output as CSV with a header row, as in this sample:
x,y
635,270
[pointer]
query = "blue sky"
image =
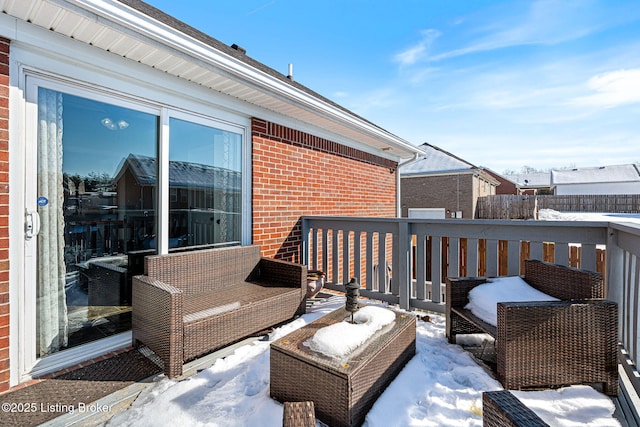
x,y
501,84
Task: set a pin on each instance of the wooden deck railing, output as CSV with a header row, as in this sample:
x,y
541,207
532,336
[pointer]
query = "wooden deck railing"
x,y
396,259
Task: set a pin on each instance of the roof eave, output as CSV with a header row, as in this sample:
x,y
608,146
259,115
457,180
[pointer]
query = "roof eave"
x,y
135,24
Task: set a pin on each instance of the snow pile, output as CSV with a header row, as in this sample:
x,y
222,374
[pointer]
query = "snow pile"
x,y
553,215
342,338
484,298
570,406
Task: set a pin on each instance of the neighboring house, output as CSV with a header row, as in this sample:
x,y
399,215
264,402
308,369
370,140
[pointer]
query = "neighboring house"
x,y
616,179
532,183
506,185
443,180
123,130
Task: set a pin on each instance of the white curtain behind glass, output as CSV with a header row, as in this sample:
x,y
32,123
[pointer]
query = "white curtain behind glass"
x,y
224,226
229,185
52,323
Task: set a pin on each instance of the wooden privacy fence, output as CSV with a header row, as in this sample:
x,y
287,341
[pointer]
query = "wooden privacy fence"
x,y
548,255
509,206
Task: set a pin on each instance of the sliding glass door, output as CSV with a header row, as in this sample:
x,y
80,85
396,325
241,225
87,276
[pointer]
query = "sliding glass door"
x,y
96,202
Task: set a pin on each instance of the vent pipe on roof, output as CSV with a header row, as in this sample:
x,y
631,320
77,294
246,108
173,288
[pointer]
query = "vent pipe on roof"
x,y
290,75
239,49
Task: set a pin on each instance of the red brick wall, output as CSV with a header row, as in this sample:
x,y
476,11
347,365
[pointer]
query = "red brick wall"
x,y
296,174
4,214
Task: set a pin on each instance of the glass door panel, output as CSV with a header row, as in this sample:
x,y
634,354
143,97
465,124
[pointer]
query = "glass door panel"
x,y
205,184
96,187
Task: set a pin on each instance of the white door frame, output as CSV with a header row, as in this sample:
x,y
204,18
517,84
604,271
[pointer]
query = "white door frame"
x,y
29,365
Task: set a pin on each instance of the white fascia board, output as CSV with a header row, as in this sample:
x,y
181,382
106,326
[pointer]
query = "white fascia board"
x,y
139,24
438,173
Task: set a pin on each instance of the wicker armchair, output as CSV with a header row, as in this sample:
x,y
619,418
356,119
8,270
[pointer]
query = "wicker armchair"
x,y
190,303
546,344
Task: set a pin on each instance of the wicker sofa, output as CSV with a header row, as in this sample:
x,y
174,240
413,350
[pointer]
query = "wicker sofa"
x,y
546,344
190,303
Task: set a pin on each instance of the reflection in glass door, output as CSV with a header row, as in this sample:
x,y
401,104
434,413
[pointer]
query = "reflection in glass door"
x,y
205,185
96,188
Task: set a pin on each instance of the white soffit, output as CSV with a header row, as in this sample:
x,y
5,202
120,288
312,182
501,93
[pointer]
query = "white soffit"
x,y
125,31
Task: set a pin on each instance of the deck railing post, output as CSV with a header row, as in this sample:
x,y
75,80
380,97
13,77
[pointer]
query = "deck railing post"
x,y
404,268
304,256
622,280
614,275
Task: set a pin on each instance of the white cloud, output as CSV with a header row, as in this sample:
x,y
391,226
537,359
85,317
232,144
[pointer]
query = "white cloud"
x,y
612,89
379,100
263,6
545,22
418,52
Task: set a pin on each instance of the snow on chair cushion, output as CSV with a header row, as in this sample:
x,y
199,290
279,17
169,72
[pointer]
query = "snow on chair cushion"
x,y
484,298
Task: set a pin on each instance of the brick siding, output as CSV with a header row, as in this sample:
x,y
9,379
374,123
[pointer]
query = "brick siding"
x,y
439,192
4,214
297,174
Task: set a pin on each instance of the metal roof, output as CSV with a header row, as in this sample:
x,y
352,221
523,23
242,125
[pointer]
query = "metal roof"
x,y
593,175
533,180
436,160
181,174
142,33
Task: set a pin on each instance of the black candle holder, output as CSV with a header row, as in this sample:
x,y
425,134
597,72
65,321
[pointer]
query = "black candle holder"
x,y
352,293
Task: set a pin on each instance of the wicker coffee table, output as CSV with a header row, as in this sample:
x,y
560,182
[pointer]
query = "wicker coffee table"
x,y
342,390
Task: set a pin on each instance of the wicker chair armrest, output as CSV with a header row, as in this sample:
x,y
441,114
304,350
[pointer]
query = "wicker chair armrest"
x,y
564,282
543,310
457,290
517,319
149,285
503,409
157,320
283,273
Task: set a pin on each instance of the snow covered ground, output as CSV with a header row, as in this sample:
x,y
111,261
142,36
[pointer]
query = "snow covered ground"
x,y
552,215
441,386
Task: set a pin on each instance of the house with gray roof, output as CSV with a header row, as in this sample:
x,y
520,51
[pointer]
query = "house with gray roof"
x,y
615,179
532,183
441,180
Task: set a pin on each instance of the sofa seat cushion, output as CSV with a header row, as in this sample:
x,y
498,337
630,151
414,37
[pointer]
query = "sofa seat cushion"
x,y
258,308
215,302
209,312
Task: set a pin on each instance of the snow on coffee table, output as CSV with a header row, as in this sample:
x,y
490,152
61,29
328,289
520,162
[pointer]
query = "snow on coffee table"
x,y
342,338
